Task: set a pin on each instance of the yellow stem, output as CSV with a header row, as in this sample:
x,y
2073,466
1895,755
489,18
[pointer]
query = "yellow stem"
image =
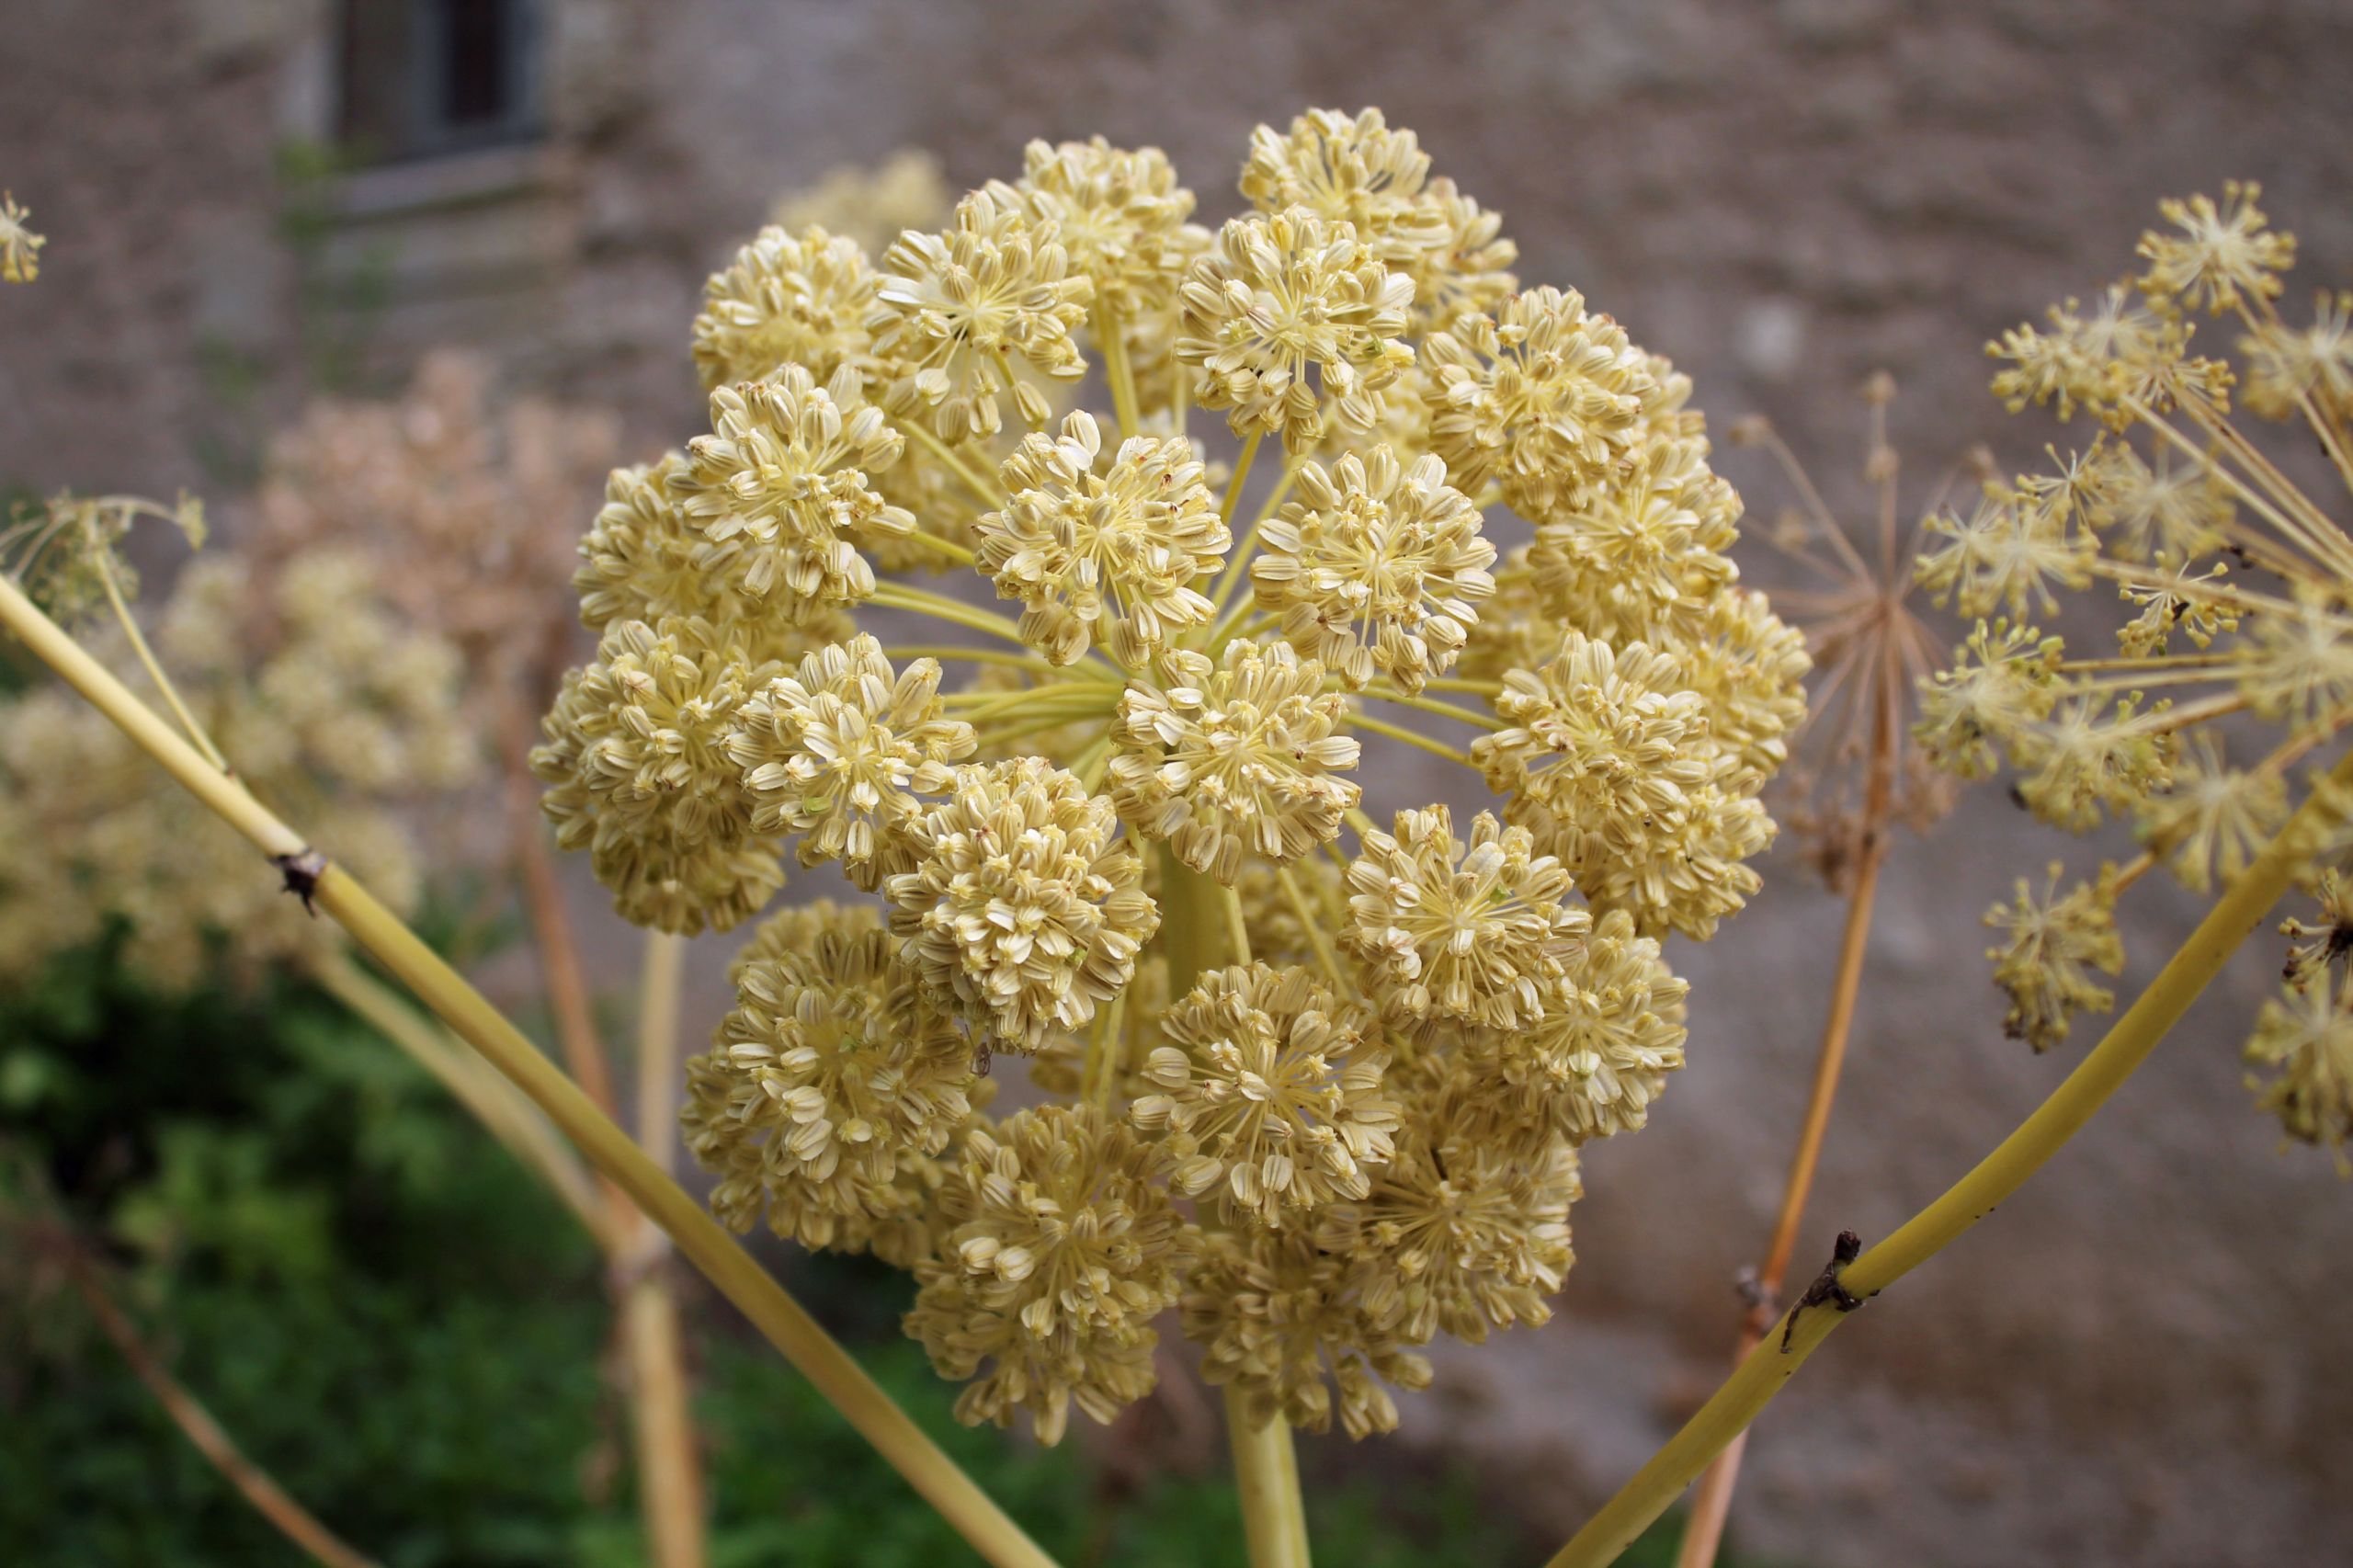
x,y
1265,1472
900,653
268,1499
947,547
1768,1368
699,1238
669,1468
1399,732
1430,705
1310,922
991,495
1240,475
1237,928
1116,373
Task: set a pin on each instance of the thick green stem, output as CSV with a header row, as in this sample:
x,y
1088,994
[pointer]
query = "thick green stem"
x,y
1769,1367
1266,1471
699,1238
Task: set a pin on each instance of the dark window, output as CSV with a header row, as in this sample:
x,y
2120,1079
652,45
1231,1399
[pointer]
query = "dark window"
x,y
421,77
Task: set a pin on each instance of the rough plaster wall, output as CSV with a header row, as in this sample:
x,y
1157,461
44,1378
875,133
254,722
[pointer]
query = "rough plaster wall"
x,y
2139,1359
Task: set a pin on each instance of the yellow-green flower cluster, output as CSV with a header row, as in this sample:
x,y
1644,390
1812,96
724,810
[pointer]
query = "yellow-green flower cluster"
x,y
1325,1092
2236,582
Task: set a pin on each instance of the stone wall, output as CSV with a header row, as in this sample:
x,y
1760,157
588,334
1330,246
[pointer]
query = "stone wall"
x,y
2139,1360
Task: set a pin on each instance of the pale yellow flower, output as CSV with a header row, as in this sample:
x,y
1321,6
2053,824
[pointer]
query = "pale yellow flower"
x,y
2054,946
1025,909
1476,934
1540,398
781,482
1063,1247
960,314
19,247
1108,555
1290,324
1268,1092
1376,568
839,751
788,299
1242,755
830,1068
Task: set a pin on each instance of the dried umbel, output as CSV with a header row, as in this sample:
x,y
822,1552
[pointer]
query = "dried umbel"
x,y
1319,1080
2235,636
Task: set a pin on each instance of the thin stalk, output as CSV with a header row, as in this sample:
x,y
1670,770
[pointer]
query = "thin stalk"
x,y
1310,922
271,1501
561,975
669,1467
1231,578
1431,705
153,666
938,546
990,493
1412,738
1266,1471
2127,1045
1240,475
699,1238
1455,682
900,653
1116,373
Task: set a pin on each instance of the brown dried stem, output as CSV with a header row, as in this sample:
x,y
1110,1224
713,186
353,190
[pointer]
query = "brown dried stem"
x,y
270,1500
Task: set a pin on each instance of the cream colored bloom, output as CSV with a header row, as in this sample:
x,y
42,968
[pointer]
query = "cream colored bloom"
x,y
1376,568
1108,556
19,247
1285,1322
872,204
1354,169
1024,908
1268,1092
1290,322
2306,1039
839,751
788,299
1540,398
1601,1051
1477,934
1461,1233
2054,945
638,772
961,315
1240,754
1602,753
1064,1247
1121,215
830,1069
2223,255
781,483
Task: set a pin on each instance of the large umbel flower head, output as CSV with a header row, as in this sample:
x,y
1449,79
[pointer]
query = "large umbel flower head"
x,y
1319,1078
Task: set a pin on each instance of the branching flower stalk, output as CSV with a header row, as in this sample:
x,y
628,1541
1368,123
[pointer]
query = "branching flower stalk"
x,y
1855,776
1768,1368
2238,579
